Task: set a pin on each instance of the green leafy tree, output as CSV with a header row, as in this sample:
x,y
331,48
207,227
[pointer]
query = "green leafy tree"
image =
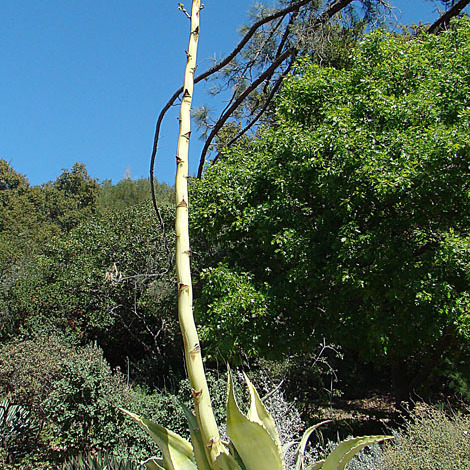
x,y
354,207
72,197
129,192
109,279
29,216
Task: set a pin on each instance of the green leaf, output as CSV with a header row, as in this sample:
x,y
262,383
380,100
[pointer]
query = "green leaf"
x,y
253,442
177,452
225,461
196,439
316,465
346,450
301,448
153,464
236,455
260,414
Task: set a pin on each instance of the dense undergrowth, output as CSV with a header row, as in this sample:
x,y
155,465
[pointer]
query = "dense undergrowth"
x,y
60,410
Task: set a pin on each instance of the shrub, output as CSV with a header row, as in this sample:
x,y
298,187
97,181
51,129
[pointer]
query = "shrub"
x,y
430,439
74,394
71,390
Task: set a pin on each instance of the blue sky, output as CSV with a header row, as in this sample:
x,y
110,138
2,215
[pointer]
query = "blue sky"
x,y
83,80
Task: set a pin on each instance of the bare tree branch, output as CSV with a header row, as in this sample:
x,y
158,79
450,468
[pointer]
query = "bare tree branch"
x,y
335,7
251,63
443,21
257,117
222,120
281,13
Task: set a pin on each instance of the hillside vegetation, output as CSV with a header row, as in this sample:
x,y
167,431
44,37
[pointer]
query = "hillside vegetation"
x,y
331,252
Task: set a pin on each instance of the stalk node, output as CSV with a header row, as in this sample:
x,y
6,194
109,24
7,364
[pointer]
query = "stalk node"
x,y
181,8
182,287
187,135
183,203
196,349
213,442
196,394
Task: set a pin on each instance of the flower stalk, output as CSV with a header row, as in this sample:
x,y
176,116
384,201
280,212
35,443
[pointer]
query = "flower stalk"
x,y
192,350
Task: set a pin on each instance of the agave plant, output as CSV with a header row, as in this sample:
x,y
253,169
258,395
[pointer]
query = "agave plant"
x,y
18,429
98,461
254,441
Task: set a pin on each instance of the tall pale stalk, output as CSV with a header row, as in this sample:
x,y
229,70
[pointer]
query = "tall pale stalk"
x,y
255,443
205,416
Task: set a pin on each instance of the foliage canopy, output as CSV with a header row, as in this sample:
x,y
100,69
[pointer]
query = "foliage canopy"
x,y
354,207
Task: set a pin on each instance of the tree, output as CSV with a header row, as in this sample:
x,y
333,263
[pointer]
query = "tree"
x,y
72,197
351,213
108,280
127,193
257,66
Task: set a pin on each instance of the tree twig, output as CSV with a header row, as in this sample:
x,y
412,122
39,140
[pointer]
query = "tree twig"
x,y
443,21
270,97
222,120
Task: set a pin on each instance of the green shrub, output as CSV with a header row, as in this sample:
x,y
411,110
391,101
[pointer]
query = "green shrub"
x,y
430,439
74,394
71,390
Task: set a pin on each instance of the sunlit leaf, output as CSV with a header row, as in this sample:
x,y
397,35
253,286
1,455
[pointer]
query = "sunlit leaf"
x,y
260,414
346,450
301,448
253,442
177,452
154,464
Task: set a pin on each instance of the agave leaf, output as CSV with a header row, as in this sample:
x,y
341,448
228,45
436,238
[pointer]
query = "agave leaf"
x,y
260,414
236,455
253,442
346,450
287,446
316,465
226,461
177,452
153,464
196,439
303,443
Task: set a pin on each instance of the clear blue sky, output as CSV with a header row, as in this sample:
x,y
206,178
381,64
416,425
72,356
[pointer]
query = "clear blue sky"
x,y
83,80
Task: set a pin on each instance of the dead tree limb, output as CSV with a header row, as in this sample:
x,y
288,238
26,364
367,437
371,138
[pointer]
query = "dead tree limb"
x,y
443,21
258,115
